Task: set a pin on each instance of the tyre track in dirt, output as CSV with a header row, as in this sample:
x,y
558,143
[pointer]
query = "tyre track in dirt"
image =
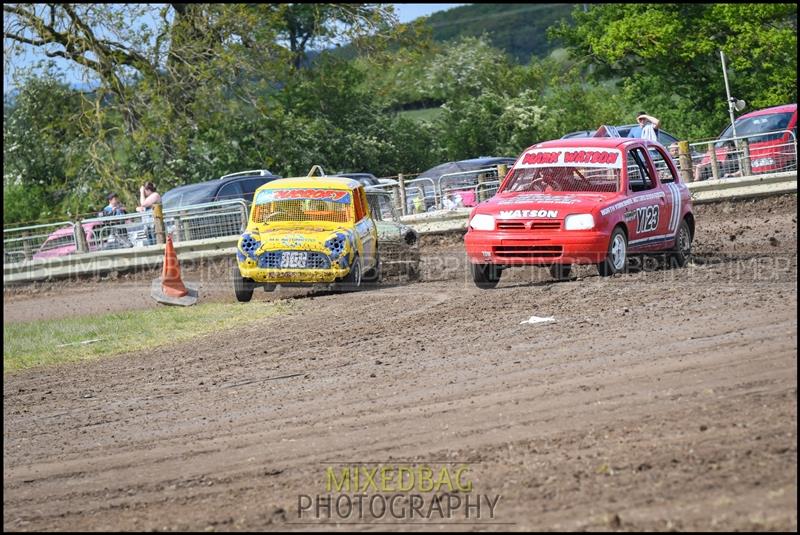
x,y
658,400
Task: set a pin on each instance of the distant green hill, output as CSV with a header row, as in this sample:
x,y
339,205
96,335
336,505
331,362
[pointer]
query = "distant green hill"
x,y
518,29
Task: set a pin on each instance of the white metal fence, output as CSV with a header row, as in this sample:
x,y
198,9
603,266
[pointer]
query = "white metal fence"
x,y
198,222
22,243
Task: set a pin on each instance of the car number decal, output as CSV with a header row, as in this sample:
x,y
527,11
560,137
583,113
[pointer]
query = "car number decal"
x,y
648,218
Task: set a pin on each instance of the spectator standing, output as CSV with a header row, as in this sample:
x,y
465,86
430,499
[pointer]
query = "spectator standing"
x,y
148,196
114,206
647,128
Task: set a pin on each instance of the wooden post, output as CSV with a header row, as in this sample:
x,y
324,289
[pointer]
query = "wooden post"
x,y
686,161
398,203
80,238
482,179
27,250
179,230
401,183
502,171
745,165
245,218
158,223
714,162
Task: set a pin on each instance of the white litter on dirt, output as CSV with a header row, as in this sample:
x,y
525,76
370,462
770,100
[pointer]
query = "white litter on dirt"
x,y
537,319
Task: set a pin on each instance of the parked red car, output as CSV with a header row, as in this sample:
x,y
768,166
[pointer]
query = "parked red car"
x,y
771,134
582,201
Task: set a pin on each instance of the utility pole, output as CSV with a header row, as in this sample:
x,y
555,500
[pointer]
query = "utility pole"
x,y
731,100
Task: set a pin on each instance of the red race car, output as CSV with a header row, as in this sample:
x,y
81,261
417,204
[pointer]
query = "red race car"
x,y
582,201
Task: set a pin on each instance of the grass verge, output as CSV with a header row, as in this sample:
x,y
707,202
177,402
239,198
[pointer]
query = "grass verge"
x,y
40,343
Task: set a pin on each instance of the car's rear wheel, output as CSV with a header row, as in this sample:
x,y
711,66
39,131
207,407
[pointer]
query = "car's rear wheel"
x,y
269,287
616,256
682,251
485,276
560,272
242,286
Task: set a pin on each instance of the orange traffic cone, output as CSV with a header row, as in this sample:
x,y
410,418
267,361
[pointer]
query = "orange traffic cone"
x,y
171,283
169,289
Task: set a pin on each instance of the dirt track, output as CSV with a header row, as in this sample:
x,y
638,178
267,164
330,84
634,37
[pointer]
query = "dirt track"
x,y
658,400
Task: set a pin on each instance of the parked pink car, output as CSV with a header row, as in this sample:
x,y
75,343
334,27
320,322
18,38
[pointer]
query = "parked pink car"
x,y
62,241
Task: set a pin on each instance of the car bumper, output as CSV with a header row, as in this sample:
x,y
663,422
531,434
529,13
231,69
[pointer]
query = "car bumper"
x,y
250,269
511,249
286,276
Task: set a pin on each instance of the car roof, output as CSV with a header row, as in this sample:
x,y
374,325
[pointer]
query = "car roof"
x,y
486,160
329,182
599,142
215,184
784,108
356,175
210,185
622,127
464,165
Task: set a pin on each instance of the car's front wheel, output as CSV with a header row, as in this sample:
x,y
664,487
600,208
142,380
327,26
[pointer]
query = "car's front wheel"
x,y
243,287
353,279
616,256
373,276
485,276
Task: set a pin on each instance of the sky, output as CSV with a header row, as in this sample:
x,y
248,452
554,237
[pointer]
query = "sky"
x,y
405,13
409,12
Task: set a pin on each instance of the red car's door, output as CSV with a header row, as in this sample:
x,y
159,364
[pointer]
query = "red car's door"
x,y
647,217
667,176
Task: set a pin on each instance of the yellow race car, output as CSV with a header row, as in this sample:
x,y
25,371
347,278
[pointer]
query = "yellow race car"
x,y
306,231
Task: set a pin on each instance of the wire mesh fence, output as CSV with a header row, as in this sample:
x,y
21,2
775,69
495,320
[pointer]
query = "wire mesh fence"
x,y
25,243
204,221
768,152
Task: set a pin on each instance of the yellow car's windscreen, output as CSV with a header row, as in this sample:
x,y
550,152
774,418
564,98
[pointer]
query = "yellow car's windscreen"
x,y
303,205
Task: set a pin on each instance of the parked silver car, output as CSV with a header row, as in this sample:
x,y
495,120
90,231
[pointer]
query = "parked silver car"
x,y
398,244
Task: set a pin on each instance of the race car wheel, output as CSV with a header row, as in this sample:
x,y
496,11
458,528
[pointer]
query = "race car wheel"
x,y
242,287
269,287
617,254
485,276
353,279
682,251
560,272
373,276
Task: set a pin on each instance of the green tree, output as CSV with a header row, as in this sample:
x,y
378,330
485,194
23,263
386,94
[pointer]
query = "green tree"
x,y
466,68
42,151
666,56
191,96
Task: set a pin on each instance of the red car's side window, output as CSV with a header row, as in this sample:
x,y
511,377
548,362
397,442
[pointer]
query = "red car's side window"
x,y
663,169
639,175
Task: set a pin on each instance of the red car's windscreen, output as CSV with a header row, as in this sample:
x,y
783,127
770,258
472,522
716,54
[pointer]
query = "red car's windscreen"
x,y
771,127
571,170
